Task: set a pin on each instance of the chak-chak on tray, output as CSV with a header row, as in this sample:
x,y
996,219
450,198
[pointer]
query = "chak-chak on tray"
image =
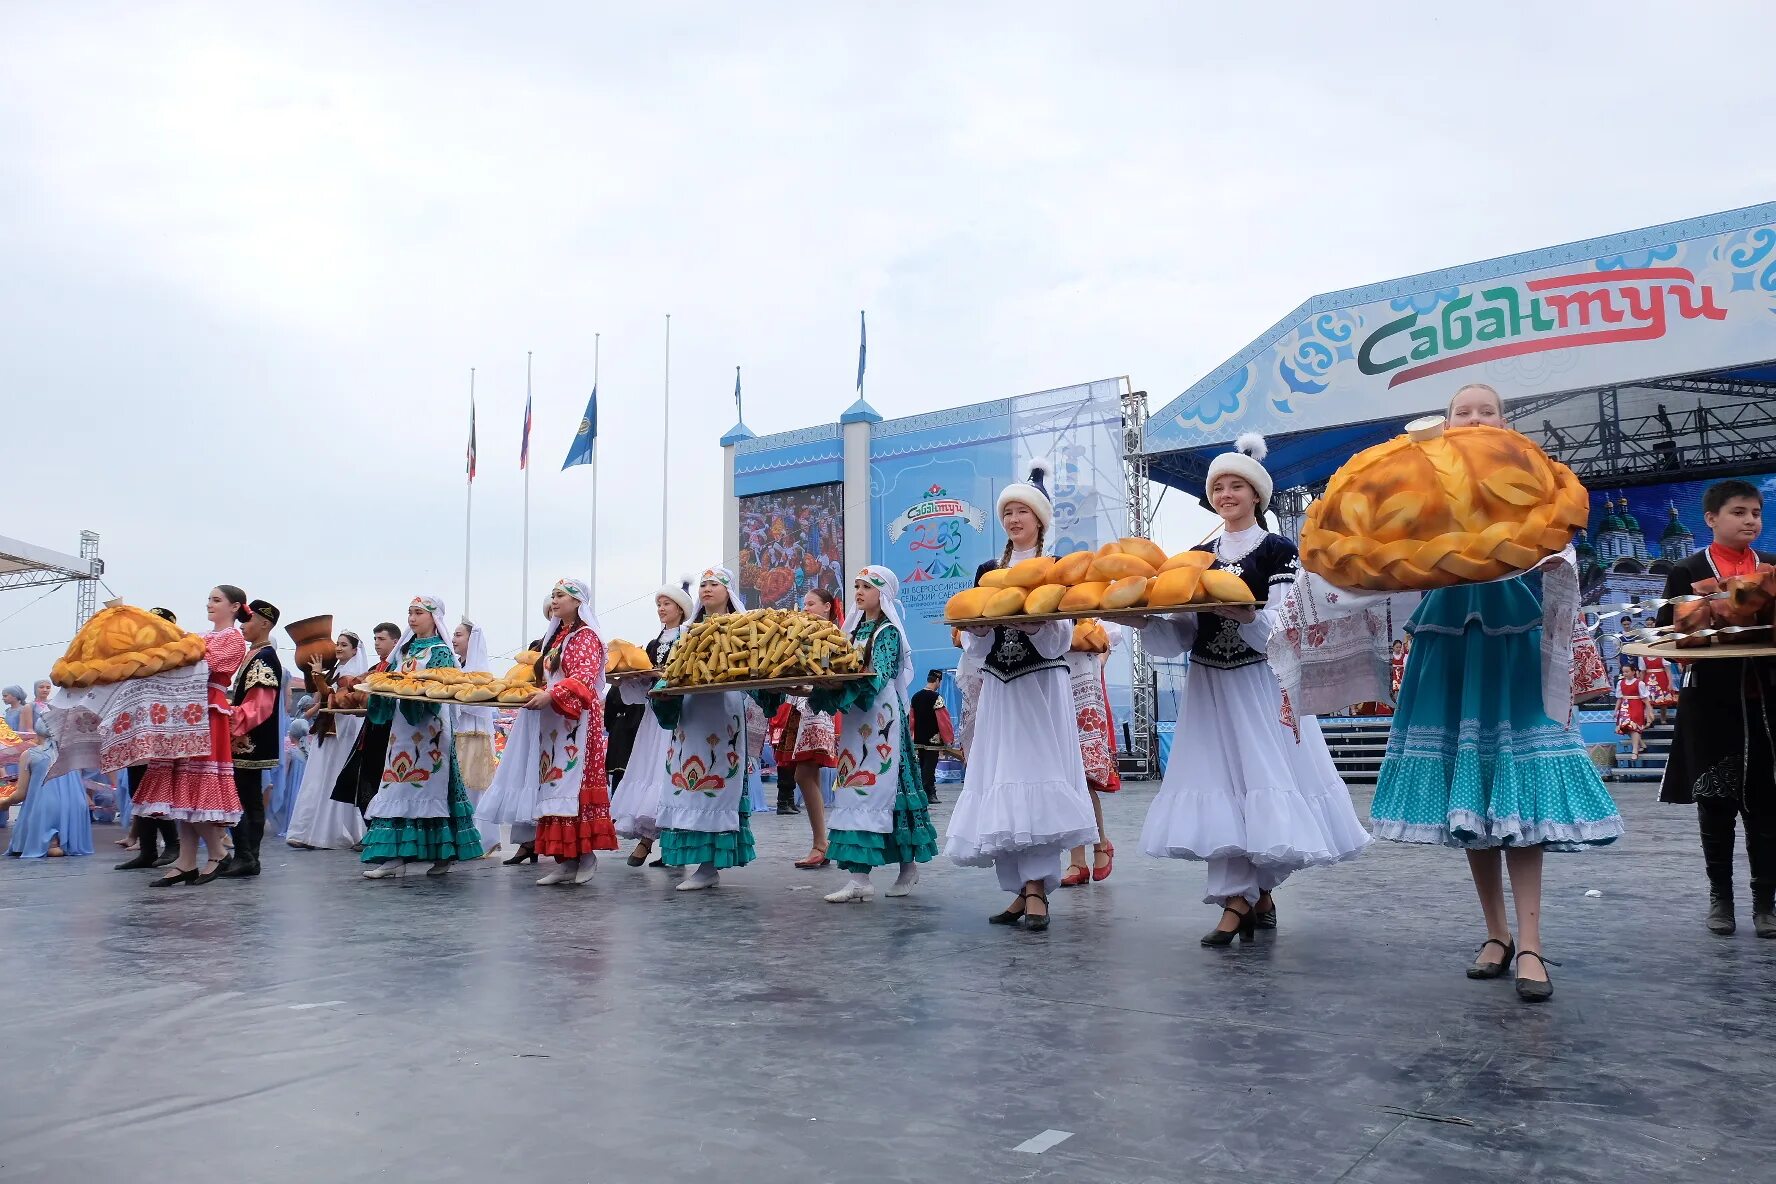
x,y
762,650
1119,583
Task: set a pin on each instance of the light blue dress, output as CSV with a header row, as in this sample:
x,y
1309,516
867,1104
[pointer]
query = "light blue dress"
x,y
54,808
1473,761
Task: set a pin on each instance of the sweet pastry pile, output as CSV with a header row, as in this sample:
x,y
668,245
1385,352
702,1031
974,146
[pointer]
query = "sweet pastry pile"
x,y
627,658
450,686
761,644
1744,602
122,642
1128,573
1434,508
1090,637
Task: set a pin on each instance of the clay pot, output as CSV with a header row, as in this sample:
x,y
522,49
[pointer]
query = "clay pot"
x,y
313,637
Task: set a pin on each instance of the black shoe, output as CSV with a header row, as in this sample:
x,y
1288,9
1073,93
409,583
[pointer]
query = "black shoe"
x,y
170,855
1763,913
206,877
1482,970
637,857
934,799
142,859
238,869
1530,990
1265,918
190,877
1033,923
658,862
1008,917
1720,912
525,854
1247,930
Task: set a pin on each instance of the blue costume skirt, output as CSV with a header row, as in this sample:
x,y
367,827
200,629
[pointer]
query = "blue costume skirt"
x,y
54,807
1473,761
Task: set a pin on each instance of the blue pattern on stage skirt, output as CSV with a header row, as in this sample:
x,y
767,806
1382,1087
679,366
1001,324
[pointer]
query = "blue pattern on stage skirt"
x,y
1473,761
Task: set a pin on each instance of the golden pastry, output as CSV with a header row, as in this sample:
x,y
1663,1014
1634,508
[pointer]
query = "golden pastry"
x,y
122,642
1045,599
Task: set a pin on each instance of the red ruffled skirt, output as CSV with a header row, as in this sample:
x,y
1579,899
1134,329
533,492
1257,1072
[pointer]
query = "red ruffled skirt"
x,y
592,829
196,789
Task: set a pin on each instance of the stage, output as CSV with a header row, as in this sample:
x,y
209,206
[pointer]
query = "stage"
x,y
314,1026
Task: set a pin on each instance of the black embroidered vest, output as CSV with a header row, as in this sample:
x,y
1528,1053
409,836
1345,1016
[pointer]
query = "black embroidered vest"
x,y
1013,655
1267,570
264,746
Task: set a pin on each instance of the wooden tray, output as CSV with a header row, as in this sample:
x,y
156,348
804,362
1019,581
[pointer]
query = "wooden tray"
x,y
761,684
347,710
451,702
1669,650
633,675
1139,613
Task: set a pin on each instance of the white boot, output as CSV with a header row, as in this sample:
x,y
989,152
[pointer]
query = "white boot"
x,y
588,864
386,870
859,889
903,884
704,877
561,873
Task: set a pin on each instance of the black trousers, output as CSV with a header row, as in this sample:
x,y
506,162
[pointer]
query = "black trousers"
x,y
928,769
153,834
250,830
1718,818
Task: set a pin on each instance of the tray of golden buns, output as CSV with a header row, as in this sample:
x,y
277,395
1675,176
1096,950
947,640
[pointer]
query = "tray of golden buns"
x,y
626,662
1129,579
1433,508
122,642
762,650
447,685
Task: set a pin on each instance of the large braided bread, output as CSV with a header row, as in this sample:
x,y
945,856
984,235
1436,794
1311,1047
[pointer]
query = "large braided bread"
x,y
121,643
1433,509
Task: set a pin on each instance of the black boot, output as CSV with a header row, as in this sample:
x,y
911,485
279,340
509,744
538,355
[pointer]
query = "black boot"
x,y
1718,823
148,846
1763,910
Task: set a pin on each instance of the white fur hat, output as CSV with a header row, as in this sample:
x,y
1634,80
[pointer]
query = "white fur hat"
x,y
1243,463
679,594
1032,493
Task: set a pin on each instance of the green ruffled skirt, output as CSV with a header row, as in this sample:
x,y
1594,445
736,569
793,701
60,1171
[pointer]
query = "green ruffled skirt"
x,y
724,849
434,840
913,839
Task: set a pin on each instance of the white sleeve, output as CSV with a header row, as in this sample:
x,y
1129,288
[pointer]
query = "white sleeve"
x,y
1169,637
1053,639
976,646
634,691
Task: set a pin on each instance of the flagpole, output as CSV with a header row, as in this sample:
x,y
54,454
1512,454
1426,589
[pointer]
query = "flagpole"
x,y
665,451
469,514
593,574
524,580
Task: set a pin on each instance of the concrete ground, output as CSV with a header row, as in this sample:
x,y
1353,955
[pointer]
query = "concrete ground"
x,y
313,1026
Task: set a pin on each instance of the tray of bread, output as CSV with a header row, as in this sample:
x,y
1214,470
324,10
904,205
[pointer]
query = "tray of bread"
x,y
448,685
765,649
763,684
628,662
122,642
1129,579
1433,508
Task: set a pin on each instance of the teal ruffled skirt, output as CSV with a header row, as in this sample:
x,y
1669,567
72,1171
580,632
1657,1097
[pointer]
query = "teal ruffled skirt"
x,y
1473,761
435,840
913,839
724,849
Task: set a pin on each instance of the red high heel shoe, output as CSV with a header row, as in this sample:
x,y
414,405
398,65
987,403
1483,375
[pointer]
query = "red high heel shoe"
x,y
1076,875
1108,851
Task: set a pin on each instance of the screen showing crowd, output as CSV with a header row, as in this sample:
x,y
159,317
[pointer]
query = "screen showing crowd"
x,y
789,542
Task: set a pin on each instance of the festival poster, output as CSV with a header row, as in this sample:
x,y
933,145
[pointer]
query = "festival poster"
x,y
790,541
933,519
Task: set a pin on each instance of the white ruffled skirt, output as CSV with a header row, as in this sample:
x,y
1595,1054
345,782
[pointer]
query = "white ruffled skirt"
x,y
511,798
1238,784
1025,784
635,808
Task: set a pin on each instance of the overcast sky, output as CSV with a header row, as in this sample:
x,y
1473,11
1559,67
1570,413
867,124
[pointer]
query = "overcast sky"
x,y
250,253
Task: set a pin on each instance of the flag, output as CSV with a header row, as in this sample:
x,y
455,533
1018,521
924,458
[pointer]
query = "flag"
x,y
739,414
524,448
862,349
580,451
471,439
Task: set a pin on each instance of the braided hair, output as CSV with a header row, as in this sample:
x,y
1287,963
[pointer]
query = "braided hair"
x,y
1041,539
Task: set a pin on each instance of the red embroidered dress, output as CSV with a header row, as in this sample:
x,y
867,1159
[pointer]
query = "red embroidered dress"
x,y
201,789
573,793
1631,708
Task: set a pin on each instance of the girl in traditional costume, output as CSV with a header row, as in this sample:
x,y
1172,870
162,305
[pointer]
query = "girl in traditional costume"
x,y
1249,789
635,807
1097,748
53,818
421,811
879,814
318,821
1475,762
199,793
809,747
1024,798
1631,707
704,817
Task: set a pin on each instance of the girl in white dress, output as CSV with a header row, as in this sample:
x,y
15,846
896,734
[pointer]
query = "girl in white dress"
x,y
1247,789
635,808
1024,798
317,820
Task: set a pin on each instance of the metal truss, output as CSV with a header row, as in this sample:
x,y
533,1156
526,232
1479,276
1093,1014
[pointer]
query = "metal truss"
x,y
1143,752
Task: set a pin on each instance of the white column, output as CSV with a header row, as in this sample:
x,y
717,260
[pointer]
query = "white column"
x,y
857,498
730,513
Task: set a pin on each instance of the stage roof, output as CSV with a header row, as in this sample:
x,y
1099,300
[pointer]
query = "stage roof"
x,y
1686,309
25,566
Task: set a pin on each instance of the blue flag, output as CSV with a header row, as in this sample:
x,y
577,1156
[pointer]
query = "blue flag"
x,y
739,408
862,348
580,451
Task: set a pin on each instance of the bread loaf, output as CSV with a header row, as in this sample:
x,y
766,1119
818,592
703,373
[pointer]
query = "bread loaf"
x,y
1045,599
1127,592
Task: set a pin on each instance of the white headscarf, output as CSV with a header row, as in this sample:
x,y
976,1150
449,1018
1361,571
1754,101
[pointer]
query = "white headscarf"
x,y
724,577
888,584
581,591
475,717
358,666
434,605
